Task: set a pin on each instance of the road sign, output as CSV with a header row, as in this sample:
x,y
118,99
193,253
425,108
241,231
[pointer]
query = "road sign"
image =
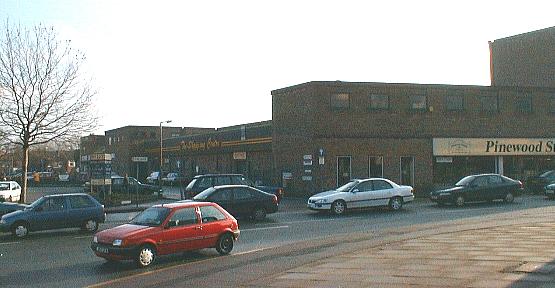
x,y
139,159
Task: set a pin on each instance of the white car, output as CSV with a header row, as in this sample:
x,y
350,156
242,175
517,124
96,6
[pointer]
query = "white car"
x,y
9,191
360,194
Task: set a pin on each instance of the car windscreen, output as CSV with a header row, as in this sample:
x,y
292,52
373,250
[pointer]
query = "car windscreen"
x,y
191,184
4,186
153,216
35,204
204,194
547,174
465,181
347,187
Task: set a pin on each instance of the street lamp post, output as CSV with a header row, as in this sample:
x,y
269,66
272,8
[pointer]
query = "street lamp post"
x,y
161,159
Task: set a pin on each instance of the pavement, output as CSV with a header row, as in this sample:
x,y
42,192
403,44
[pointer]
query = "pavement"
x,y
490,252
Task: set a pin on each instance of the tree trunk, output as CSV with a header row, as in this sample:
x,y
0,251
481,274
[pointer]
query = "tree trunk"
x,y
24,164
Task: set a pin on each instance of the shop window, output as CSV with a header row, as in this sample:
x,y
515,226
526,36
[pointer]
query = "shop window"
x,y
379,102
340,101
375,166
454,103
524,104
489,104
418,102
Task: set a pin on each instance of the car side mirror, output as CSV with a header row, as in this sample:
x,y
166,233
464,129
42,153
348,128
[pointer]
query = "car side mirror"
x,y
355,191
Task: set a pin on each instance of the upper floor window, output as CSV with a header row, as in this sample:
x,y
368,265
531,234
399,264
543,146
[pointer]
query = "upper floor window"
x,y
489,103
418,102
524,104
340,100
379,102
454,102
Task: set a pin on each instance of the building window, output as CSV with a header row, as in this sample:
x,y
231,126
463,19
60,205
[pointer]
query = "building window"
x,y
109,141
524,104
379,102
243,132
375,166
489,103
340,101
454,103
418,102
407,170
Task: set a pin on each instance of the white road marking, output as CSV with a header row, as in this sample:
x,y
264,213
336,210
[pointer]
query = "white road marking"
x,y
83,237
265,228
251,251
9,243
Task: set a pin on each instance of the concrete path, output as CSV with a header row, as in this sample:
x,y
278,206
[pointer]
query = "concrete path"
x,y
520,255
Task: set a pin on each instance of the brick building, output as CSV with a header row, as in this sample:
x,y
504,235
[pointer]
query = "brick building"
x,y
525,60
244,149
420,135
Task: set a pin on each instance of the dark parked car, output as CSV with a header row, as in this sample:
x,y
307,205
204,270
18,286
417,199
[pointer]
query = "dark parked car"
x,y
475,188
549,191
54,212
133,185
202,182
167,229
241,200
536,184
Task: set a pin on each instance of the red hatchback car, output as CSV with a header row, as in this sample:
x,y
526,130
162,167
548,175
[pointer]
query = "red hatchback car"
x,y
166,229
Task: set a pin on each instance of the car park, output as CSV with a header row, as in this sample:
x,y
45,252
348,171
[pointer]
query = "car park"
x,y
173,178
362,193
200,183
536,184
477,188
155,177
9,191
241,200
167,229
133,185
55,212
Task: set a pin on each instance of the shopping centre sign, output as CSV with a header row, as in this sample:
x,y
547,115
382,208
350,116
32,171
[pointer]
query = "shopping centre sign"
x,y
493,146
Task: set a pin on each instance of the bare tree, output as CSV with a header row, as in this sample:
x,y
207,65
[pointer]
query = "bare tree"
x,y
43,96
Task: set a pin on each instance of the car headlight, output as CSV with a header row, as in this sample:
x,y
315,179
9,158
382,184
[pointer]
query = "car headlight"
x,y
117,242
95,239
2,221
445,194
321,201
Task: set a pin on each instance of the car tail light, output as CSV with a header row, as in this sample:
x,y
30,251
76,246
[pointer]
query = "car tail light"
x,y
280,192
275,199
521,185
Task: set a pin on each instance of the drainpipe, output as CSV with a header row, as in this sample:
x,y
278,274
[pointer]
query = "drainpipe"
x,y
492,80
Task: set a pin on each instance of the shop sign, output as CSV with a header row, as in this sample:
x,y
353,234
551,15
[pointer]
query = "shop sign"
x,y
444,159
287,175
139,159
307,162
493,146
239,155
307,178
201,146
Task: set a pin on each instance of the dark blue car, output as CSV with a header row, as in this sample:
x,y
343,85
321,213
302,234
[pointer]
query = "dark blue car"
x,y
54,212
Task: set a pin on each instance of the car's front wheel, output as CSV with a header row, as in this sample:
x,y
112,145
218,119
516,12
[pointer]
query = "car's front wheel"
x,y
395,203
225,244
20,230
338,207
145,256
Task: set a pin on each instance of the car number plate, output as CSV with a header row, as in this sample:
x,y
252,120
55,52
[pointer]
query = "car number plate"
x,y
434,197
550,192
102,250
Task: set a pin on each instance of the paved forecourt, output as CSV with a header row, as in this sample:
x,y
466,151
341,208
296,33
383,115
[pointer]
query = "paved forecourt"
x,y
520,255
